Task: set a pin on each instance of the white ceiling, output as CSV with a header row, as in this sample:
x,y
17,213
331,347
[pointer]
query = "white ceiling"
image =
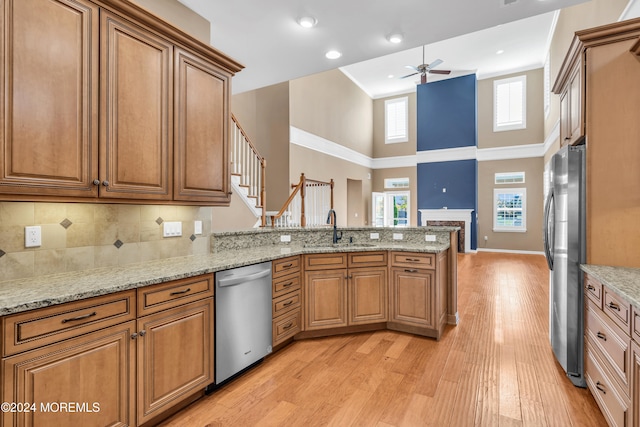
x,y
265,37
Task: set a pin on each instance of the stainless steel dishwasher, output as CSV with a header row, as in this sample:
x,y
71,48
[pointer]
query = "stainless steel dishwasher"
x,y
243,318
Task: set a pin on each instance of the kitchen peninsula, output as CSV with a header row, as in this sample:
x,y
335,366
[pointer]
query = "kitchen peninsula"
x,y
153,319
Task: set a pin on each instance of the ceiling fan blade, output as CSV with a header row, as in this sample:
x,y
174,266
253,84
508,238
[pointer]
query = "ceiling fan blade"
x,y
434,64
409,75
440,71
411,67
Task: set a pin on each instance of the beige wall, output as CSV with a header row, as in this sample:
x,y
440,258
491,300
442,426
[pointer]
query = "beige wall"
x,y
380,149
180,16
323,167
88,242
379,175
533,134
264,115
331,106
532,239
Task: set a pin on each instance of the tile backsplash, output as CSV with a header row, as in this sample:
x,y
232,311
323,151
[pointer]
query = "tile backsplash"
x,y
82,236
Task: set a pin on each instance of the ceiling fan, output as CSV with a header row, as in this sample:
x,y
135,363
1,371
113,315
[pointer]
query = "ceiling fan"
x,y
423,69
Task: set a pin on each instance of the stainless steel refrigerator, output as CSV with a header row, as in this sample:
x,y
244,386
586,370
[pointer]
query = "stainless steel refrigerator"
x,y
564,245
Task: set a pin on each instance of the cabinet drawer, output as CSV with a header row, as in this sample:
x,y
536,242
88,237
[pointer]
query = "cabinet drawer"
x,y
614,406
593,290
618,309
152,299
286,326
413,259
325,261
286,284
286,303
611,342
285,266
36,328
368,259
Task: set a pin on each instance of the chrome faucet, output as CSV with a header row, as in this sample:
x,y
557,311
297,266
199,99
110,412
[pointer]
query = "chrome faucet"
x,y
336,234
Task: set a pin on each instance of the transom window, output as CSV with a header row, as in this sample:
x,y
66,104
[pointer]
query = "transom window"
x,y
510,104
510,209
396,122
509,178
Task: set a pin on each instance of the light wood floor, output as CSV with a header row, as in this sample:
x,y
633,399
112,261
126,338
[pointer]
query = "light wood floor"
x,y
495,368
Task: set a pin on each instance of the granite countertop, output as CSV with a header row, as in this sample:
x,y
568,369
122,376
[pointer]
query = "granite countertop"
x,y
31,293
623,280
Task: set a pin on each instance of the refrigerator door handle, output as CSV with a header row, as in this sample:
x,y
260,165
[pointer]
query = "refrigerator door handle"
x,y
548,230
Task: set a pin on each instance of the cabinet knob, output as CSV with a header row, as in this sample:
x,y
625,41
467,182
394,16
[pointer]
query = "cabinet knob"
x,y
133,336
142,333
96,182
105,183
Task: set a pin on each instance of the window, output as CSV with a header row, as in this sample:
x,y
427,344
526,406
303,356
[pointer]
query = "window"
x,y
510,209
390,209
509,178
509,104
396,120
396,183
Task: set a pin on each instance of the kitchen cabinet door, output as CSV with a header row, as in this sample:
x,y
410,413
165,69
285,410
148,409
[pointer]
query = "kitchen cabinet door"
x,y
49,90
136,148
175,356
201,130
325,299
413,297
367,295
95,371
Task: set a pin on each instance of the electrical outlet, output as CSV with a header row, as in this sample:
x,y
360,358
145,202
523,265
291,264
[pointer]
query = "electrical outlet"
x,y
486,238
285,238
397,236
32,236
197,227
430,237
374,236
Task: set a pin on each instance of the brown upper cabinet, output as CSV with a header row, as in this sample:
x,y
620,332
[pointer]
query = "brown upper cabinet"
x,y
105,101
571,109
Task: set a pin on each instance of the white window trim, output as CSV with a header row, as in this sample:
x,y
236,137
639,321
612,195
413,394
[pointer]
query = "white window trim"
x,y
547,86
517,126
405,137
523,228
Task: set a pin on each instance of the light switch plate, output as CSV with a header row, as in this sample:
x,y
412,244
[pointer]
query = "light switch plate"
x,y
397,236
172,229
285,238
197,227
430,237
374,235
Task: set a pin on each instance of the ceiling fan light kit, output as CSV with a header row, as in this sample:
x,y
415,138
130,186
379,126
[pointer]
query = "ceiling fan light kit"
x,y
425,68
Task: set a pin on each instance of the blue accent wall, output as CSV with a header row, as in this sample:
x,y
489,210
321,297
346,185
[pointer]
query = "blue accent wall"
x,y
447,113
447,118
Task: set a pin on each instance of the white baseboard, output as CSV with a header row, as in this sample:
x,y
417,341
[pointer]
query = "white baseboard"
x,y
510,251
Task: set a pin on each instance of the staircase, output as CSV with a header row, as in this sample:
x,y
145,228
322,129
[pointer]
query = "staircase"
x,y
248,169
308,204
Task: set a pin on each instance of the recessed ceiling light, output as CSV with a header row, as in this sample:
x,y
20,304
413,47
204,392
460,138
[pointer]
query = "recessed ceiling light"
x,y
307,21
333,54
500,52
390,76
395,38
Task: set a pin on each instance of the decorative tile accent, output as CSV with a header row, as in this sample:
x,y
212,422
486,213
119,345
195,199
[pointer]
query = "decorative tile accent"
x,y
118,243
193,237
2,253
66,223
159,220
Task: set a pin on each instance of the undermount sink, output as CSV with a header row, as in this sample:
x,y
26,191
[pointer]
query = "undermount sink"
x,y
339,245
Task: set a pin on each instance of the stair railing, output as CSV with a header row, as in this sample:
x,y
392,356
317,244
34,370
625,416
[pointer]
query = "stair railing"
x,y
247,163
307,206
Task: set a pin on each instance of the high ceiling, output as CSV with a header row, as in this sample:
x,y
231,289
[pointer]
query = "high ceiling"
x,y
266,38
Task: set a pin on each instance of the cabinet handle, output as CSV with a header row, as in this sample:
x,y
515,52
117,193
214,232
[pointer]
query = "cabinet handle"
x,y
591,288
406,270
287,266
288,326
180,292
411,260
602,336
600,387
287,285
105,183
614,306
287,304
84,316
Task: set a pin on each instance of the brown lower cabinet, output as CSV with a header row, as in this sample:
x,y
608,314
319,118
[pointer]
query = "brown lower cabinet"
x,y
92,363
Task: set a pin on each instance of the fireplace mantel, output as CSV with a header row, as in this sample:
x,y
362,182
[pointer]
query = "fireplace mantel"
x,y
450,215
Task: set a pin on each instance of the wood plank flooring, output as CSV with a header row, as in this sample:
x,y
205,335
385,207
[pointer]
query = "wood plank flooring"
x,y
495,368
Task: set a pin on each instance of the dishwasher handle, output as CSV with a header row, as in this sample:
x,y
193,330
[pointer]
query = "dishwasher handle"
x,y
236,280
